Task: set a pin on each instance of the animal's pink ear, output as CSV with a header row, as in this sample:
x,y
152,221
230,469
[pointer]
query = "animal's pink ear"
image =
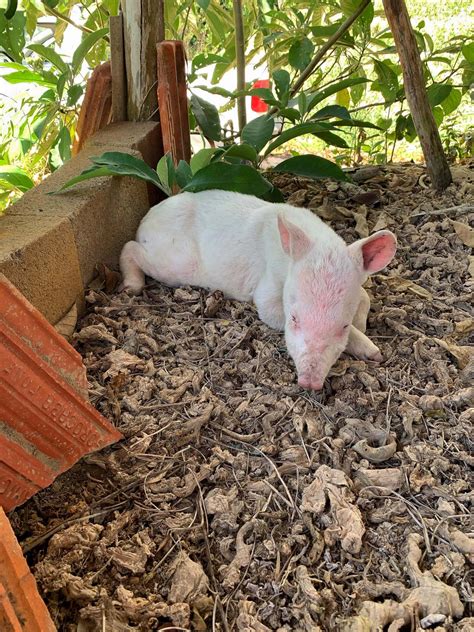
x,y
374,252
294,241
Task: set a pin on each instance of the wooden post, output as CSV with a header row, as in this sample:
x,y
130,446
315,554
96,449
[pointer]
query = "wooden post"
x,y
172,100
142,28
410,61
117,62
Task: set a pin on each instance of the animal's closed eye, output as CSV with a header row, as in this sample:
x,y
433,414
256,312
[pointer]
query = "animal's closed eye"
x,y
346,326
294,320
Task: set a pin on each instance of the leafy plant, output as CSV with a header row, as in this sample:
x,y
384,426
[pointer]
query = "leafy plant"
x,y
231,169
37,125
336,83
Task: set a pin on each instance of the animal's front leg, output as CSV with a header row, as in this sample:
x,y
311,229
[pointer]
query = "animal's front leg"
x,y
360,319
268,299
362,347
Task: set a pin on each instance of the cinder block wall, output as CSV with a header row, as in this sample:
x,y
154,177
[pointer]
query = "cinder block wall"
x,y
50,245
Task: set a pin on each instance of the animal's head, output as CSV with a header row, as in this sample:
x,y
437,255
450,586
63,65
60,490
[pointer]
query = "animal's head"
x,y
322,294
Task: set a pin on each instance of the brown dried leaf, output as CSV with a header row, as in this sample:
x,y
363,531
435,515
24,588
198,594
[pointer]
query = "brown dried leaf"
x,y
405,285
189,580
347,520
463,354
361,226
121,361
464,232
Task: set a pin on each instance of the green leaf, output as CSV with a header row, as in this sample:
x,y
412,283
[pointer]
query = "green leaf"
x,y
14,178
354,123
291,114
87,174
300,53
258,132
438,92
311,167
207,117
74,93
452,101
387,82
205,59
85,46
357,92
202,158
204,4
281,79
61,84
125,164
12,35
331,111
222,92
64,144
274,195
325,31
221,175
166,172
50,55
264,93
334,89
332,139
116,163
11,9
183,174
293,132
438,115
28,76
244,151
468,52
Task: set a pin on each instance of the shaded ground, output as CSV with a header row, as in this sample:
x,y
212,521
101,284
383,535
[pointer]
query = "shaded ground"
x,y
238,497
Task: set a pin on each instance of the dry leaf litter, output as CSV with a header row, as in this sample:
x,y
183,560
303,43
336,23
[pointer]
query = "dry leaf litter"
x,y
239,501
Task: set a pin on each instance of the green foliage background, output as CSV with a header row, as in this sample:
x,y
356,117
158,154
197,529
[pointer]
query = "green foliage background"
x,y
351,109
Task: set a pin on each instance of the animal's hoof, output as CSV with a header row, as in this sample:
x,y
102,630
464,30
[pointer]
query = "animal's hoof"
x,y
376,357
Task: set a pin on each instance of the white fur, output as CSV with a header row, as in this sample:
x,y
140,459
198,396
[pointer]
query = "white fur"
x,y
236,243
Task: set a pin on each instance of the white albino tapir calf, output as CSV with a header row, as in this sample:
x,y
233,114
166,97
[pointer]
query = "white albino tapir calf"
x,y
302,277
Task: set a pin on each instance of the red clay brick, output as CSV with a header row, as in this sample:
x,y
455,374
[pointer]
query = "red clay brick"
x,y
45,425
31,326
8,619
172,100
96,109
21,607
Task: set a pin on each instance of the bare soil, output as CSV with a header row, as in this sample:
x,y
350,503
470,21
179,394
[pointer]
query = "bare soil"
x,y
239,501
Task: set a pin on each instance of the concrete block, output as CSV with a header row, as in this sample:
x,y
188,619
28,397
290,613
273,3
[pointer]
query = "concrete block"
x,y
38,255
21,607
101,215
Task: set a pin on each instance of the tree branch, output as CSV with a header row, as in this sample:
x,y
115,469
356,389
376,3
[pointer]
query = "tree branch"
x,y
66,18
345,26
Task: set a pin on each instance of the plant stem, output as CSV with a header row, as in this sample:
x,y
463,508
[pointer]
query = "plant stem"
x,y
345,26
66,18
240,57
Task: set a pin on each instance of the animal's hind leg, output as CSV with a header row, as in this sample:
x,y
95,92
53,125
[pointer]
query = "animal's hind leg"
x,y
131,268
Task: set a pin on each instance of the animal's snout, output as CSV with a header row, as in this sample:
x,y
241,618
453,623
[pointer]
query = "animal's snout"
x,y
310,383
